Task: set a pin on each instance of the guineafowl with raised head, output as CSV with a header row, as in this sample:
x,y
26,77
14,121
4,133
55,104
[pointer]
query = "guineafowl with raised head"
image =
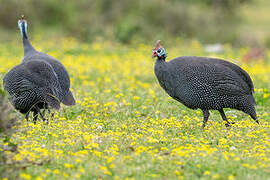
x,y
31,54
39,82
205,83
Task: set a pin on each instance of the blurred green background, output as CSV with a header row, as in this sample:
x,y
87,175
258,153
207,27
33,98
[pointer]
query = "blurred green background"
x,y
238,22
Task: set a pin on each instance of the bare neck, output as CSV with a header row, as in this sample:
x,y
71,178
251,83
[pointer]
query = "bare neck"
x,y
28,48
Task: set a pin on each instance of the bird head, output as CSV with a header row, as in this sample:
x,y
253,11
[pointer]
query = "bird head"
x,y
22,24
158,51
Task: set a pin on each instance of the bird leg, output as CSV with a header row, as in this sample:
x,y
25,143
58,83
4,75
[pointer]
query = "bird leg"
x,y
43,112
205,117
41,115
52,114
225,118
35,117
49,111
257,121
44,109
27,116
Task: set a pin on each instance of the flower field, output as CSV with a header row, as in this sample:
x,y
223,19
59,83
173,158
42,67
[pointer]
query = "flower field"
x,y
124,126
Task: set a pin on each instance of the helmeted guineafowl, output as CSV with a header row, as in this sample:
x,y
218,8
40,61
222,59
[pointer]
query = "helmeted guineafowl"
x,y
205,83
38,82
33,86
31,54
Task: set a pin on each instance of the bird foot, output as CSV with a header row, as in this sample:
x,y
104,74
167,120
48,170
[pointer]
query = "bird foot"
x,y
257,121
46,121
27,116
228,124
52,115
203,126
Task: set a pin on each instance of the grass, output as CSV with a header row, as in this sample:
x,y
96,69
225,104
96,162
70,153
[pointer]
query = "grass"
x,y
125,126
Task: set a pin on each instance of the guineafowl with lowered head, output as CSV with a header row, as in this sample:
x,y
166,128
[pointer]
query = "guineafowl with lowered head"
x,y
33,86
205,83
39,82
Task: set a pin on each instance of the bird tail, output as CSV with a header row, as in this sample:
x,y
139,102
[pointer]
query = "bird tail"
x,y
69,99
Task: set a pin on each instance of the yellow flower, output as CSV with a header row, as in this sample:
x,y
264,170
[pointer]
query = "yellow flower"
x,y
266,95
105,170
136,97
216,176
177,173
68,165
222,141
82,170
111,166
65,175
78,176
25,176
56,171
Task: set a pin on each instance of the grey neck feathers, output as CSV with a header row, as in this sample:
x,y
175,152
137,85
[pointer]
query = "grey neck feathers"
x,y
160,64
161,71
28,48
161,59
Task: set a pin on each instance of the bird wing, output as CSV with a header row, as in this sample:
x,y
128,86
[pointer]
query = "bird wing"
x,y
40,74
230,83
58,68
221,78
25,85
240,72
212,75
16,83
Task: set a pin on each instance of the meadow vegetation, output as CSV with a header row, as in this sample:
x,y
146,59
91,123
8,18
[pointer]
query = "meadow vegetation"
x,y
125,126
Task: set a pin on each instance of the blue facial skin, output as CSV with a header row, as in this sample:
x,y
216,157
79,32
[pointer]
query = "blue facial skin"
x,y
161,53
22,24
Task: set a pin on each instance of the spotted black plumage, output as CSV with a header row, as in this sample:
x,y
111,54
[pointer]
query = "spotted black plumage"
x,y
39,82
206,83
